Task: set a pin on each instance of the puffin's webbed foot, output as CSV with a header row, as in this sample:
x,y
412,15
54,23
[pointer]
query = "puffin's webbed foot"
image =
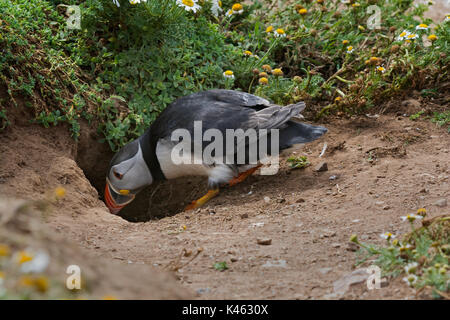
x,y
242,176
200,202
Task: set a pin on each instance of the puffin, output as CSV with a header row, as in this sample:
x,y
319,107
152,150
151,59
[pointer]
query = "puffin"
x,y
178,143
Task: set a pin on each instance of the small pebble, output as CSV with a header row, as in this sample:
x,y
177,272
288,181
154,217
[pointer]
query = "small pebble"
x,y
441,203
322,166
264,241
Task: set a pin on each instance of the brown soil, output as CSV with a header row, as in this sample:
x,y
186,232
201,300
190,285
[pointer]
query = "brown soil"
x,y
385,166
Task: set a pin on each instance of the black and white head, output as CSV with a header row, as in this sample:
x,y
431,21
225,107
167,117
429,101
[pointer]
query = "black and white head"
x,y
128,174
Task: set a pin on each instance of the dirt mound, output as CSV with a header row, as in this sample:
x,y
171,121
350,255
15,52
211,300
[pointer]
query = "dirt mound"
x,y
33,162
21,229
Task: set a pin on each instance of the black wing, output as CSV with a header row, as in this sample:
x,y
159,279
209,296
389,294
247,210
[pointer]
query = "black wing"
x,y
222,109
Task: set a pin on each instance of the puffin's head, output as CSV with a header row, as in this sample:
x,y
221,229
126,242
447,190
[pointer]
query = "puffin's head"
x,y
127,175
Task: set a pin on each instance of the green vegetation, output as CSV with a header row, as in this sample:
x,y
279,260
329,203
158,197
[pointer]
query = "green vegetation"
x,y
127,63
442,119
421,256
298,162
220,266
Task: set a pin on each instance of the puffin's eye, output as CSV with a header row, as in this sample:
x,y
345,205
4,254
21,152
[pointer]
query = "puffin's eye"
x,y
118,175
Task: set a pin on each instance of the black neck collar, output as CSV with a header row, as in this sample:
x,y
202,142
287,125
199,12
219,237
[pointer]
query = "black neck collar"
x,y
148,145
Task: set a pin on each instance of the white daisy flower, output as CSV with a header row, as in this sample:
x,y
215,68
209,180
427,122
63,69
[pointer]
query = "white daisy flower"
x,y
279,33
405,246
216,7
228,74
411,36
303,27
237,8
229,13
403,35
189,5
411,279
422,26
411,267
117,3
447,18
133,2
387,236
381,69
350,49
411,217
31,261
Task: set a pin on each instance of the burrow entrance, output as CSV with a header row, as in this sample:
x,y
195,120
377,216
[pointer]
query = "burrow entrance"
x,y
159,200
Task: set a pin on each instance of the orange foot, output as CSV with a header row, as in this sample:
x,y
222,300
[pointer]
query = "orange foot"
x,y
242,176
200,202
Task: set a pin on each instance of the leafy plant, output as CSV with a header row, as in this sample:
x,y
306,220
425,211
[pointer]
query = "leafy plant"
x,y
220,266
422,255
298,162
442,119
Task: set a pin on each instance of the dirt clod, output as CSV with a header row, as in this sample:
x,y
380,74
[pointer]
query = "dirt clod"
x,y
322,166
264,241
441,203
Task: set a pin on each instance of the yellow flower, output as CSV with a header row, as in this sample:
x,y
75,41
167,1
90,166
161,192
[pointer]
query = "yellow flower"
x,y
4,250
184,227
279,33
361,28
344,42
60,193
375,60
320,1
356,4
41,283
422,212
303,11
248,53
228,74
412,36
422,26
387,235
237,8
277,72
189,5
24,257
263,81
26,281
263,75
411,217
381,69
266,68
432,37
269,29
350,49
337,99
